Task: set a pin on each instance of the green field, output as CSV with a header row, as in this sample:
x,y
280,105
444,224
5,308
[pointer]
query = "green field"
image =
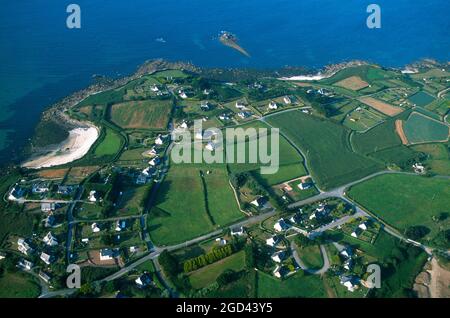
x,y
363,119
148,114
405,200
298,286
284,173
109,145
290,161
133,199
380,137
221,200
326,145
208,275
421,99
311,256
18,285
367,73
181,208
420,129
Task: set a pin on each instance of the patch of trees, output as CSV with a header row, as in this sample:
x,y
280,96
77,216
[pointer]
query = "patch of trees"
x,y
227,277
417,232
216,254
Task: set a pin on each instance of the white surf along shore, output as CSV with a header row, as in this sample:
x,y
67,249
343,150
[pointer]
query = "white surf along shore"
x,y
77,145
316,77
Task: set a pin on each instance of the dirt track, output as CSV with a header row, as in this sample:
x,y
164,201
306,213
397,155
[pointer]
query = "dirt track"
x,y
400,132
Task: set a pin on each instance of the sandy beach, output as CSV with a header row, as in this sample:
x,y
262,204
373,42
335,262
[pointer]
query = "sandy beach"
x,y
78,143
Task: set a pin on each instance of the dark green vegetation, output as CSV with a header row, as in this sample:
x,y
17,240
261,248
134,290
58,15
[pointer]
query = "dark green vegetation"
x,y
400,264
327,148
18,285
209,274
404,201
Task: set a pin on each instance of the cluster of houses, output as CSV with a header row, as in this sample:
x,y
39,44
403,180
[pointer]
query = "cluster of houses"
x,y
146,175
279,256
359,229
24,246
350,281
274,106
244,112
321,91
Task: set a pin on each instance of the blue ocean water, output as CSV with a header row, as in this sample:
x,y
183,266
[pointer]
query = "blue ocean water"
x,y
42,60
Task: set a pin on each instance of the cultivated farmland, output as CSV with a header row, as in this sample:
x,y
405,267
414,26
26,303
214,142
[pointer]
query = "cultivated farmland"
x,y
148,114
420,129
421,99
325,144
381,106
353,83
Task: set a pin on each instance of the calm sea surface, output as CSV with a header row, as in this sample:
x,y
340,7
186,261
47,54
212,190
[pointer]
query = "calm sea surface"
x,y
43,61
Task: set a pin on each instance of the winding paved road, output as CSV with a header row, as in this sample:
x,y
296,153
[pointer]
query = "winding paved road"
x,y
326,260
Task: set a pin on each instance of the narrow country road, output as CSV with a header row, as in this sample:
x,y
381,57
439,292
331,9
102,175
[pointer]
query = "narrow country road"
x,y
320,271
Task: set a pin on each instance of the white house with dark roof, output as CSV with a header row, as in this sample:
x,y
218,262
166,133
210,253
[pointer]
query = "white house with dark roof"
x,y
273,105
16,193
24,247
25,264
237,231
95,228
50,240
273,241
120,225
46,258
240,105
279,256
287,100
259,202
45,277
350,282
93,196
106,254
144,280
281,226
48,207
363,226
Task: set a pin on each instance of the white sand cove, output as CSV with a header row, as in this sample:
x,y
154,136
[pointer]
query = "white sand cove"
x,y
78,143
